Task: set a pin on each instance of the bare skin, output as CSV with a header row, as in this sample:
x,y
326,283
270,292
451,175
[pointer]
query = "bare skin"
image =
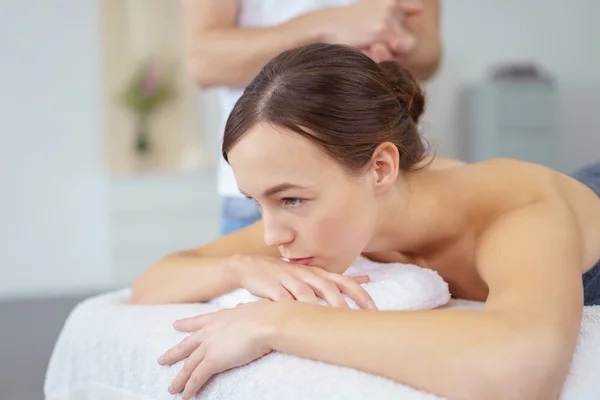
x,y
513,234
405,31
505,186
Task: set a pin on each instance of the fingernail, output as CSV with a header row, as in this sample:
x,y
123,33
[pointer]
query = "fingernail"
x,y
371,305
160,359
171,389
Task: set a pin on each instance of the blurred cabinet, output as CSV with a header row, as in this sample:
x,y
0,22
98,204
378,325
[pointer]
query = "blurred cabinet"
x,y
512,119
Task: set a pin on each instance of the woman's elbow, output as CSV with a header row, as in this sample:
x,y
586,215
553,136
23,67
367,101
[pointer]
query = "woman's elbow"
x,y
429,65
201,72
146,287
139,292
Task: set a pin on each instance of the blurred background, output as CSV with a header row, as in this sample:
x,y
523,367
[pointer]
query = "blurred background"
x,y
108,152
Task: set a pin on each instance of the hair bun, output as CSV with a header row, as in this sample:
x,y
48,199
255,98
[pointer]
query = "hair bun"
x,y
407,88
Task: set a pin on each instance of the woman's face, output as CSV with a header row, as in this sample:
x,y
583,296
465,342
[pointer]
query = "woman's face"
x,y
314,211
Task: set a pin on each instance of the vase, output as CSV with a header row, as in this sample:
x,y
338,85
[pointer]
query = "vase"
x,y
143,146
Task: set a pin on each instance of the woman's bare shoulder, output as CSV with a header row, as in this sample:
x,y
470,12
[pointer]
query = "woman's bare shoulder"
x,y
512,174
437,163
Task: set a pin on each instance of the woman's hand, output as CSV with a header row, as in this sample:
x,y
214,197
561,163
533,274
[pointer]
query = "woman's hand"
x,y
220,341
402,42
277,280
365,22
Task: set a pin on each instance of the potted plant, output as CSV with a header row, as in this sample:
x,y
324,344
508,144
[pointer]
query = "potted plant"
x,y
148,89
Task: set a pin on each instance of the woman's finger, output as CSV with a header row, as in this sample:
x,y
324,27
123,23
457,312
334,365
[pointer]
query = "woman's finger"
x,y
380,52
351,288
299,289
277,292
410,7
323,288
189,367
191,324
186,347
361,279
203,372
398,39
403,44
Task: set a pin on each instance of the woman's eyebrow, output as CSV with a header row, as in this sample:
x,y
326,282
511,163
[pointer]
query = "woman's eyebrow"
x,y
276,189
280,188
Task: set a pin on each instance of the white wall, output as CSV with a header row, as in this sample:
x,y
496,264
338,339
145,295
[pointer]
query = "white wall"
x,y
562,37
54,191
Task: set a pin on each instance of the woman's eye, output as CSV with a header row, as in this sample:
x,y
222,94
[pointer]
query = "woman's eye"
x,y
291,201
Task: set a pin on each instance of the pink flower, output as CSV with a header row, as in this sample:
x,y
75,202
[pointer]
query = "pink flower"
x,y
151,77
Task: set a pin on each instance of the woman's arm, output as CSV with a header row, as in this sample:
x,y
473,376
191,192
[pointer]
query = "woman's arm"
x,y
201,274
424,60
243,260
519,347
221,54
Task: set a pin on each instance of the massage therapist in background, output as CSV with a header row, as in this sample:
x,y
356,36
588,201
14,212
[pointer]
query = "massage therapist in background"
x,y
229,41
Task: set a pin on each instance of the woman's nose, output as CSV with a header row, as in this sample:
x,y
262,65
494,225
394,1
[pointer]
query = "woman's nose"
x,y
275,235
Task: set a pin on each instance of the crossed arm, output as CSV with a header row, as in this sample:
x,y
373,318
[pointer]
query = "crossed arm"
x,y
520,346
216,46
424,61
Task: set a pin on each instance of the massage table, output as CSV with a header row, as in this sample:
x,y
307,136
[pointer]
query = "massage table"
x,y
108,349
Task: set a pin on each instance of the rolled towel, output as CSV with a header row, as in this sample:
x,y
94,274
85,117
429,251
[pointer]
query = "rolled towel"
x,y
392,287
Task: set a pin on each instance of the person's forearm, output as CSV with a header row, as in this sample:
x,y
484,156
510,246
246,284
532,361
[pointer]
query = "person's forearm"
x,y
183,278
455,354
234,56
425,60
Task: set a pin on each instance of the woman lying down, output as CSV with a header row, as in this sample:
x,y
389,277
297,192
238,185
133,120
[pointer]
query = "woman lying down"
x,y
326,142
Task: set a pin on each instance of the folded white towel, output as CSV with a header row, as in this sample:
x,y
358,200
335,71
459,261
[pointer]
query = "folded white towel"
x,y
392,287
583,382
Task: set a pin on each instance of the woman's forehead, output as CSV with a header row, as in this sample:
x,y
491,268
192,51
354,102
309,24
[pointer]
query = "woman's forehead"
x,y
272,147
269,156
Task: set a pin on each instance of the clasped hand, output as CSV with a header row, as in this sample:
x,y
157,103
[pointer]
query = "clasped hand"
x,y
376,27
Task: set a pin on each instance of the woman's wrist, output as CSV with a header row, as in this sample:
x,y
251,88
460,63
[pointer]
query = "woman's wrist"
x,y
317,25
272,326
230,268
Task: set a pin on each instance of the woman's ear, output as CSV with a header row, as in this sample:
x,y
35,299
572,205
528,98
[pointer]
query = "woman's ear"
x,y
385,162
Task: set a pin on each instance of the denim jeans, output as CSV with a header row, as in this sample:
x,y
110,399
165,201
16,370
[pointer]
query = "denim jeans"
x,y
590,176
237,213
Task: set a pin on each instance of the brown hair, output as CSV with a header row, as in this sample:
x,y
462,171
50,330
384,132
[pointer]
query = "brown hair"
x,y
337,97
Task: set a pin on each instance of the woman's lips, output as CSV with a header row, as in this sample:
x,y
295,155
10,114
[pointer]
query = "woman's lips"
x,y
301,261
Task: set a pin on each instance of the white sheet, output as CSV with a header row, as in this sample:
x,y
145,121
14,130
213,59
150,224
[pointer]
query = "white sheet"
x,y
108,350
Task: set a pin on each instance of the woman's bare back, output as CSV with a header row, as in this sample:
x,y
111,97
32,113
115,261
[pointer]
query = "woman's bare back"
x,y
486,191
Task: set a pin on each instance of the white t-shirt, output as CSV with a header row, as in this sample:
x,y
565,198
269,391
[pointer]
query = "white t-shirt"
x,y
259,13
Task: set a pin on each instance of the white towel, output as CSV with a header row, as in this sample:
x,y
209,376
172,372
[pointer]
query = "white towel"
x,y
108,350
392,287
